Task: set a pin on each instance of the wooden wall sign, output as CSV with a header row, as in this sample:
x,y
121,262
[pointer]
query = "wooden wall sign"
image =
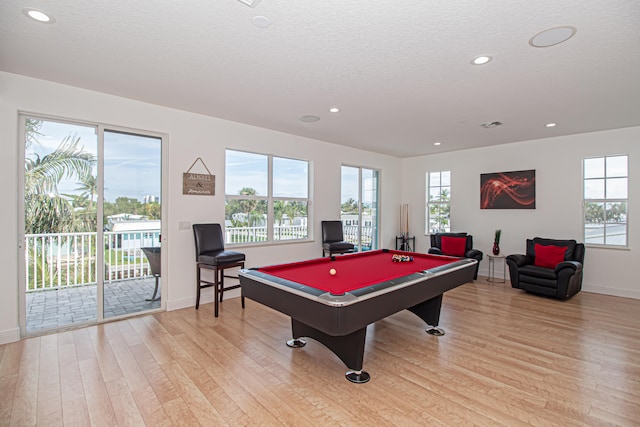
x,y
198,184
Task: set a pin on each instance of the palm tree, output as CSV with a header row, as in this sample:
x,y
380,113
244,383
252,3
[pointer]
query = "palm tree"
x,y
246,207
89,188
32,128
278,211
46,210
350,206
294,209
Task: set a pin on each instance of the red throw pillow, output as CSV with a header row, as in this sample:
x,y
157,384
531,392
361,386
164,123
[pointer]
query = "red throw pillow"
x,y
453,245
548,256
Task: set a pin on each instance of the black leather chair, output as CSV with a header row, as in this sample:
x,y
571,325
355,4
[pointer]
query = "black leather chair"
x,y
333,239
211,255
154,258
452,244
550,267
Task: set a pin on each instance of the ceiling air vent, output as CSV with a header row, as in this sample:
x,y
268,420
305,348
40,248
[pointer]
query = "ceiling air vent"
x,y
250,3
491,124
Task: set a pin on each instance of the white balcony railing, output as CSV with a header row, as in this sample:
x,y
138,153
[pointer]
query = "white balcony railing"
x,y
259,234
60,260
55,261
350,233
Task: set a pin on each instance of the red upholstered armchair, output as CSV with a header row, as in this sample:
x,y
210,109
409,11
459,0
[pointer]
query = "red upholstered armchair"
x,y
455,244
549,267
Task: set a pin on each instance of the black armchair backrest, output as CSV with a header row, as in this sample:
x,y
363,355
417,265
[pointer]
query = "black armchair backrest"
x,y
574,252
578,254
208,237
332,231
436,239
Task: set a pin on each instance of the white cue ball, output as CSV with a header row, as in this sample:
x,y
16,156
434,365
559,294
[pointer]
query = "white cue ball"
x,y
332,272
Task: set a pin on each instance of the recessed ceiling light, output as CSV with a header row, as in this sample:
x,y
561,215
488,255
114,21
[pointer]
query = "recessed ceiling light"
x,y
552,36
480,60
309,119
261,21
437,143
38,15
550,125
334,110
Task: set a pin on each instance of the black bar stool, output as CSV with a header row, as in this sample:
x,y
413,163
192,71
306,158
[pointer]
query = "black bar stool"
x,y
211,255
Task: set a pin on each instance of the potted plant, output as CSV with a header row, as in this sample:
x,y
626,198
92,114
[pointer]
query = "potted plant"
x,y
496,242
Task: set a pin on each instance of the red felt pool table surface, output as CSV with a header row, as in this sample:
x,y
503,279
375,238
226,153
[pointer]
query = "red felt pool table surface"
x,y
355,271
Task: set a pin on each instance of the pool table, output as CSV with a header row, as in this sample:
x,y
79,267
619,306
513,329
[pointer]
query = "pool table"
x,y
335,307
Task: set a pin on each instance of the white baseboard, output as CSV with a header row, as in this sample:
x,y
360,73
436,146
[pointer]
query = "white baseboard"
x,y
626,293
586,287
8,336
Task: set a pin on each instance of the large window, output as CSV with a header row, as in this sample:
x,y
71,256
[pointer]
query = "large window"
x,y
266,198
438,202
606,200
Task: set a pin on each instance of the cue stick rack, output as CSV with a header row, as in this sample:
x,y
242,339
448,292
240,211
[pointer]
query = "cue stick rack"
x,y
404,242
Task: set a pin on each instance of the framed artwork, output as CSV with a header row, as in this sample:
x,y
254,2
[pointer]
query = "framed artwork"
x,y
508,190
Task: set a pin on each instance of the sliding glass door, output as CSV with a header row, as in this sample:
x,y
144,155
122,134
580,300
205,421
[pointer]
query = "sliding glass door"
x,y
59,246
359,206
132,222
87,249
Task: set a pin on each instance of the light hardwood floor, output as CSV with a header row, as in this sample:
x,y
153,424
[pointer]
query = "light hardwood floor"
x,y
508,358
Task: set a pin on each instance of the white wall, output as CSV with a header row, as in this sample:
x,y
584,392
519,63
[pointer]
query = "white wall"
x,y
558,214
557,162
190,136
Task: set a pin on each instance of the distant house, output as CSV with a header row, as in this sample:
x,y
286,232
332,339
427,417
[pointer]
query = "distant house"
x,y
131,232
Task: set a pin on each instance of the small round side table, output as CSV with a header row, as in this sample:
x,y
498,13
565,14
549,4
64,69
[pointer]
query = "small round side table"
x,y
492,268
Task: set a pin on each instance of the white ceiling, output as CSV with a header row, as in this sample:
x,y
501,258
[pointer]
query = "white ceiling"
x,y
399,70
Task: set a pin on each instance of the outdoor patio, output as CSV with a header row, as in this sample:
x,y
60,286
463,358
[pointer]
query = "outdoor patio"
x,y
52,309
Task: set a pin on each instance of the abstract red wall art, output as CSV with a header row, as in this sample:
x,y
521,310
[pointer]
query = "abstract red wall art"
x,y
508,190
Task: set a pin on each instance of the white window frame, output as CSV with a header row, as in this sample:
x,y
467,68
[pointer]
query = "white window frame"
x,y
271,199
604,200
429,203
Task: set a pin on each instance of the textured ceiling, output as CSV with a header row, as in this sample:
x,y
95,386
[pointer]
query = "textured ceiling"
x,y
399,70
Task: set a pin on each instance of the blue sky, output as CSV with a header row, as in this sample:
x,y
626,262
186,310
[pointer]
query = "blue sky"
x,y
251,170
132,163
132,167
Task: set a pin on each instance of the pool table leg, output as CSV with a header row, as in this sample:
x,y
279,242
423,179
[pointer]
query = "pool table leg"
x,y
296,343
349,348
429,311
